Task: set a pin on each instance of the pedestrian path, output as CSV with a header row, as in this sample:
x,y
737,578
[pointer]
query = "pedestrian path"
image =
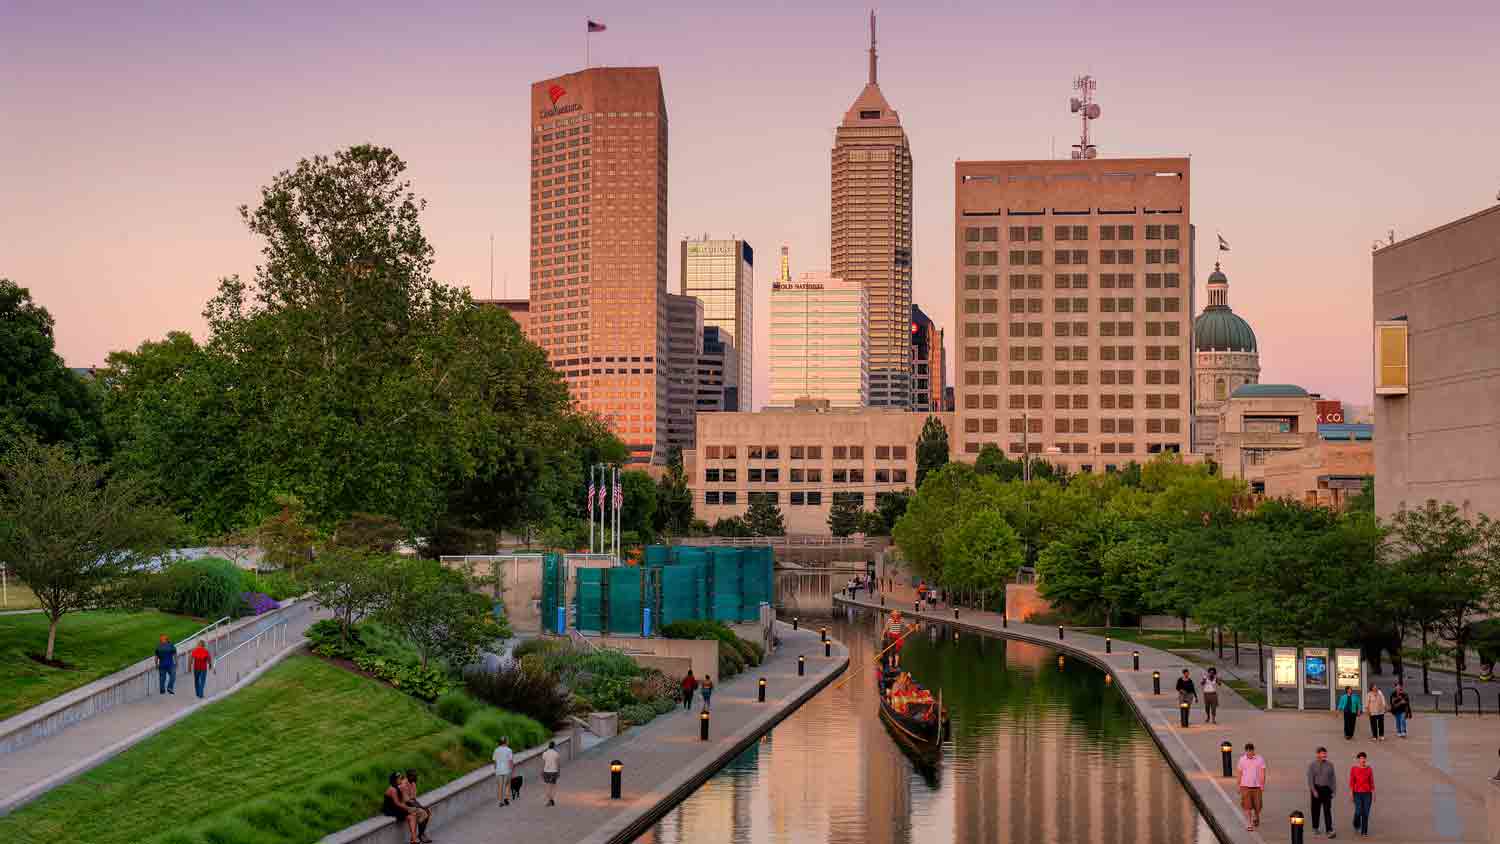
x,y
1429,788
662,761
26,769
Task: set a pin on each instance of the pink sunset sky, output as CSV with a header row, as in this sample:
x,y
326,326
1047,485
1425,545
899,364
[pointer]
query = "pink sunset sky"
x,y
131,132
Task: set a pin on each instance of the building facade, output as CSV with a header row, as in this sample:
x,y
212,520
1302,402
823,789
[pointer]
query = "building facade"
x,y
1325,474
928,385
1074,299
820,341
716,391
722,274
803,460
1225,359
1437,357
599,245
684,348
1259,421
871,242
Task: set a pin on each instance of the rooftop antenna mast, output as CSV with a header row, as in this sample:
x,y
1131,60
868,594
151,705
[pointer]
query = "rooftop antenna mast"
x,y
1084,106
872,47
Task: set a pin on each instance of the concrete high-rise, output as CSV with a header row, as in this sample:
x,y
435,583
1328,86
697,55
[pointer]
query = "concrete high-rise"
x,y
927,381
1073,287
722,274
870,240
820,346
684,348
599,245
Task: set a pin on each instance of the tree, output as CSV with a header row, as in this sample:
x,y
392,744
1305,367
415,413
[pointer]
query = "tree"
x,y
993,462
891,506
732,526
286,537
871,523
433,608
844,517
932,448
43,398
674,501
351,581
932,510
370,532
638,510
764,518
69,532
1445,561
980,552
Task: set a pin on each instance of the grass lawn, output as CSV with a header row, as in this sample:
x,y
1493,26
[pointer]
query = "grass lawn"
x,y
18,597
95,644
302,752
1166,640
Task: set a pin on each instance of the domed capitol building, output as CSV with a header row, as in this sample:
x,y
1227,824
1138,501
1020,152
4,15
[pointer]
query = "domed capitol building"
x,y
1225,357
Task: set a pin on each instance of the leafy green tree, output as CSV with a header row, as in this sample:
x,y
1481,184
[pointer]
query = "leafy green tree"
x,y
1070,570
1442,556
932,448
764,517
844,517
980,552
352,582
285,537
433,608
993,462
43,398
891,506
71,533
674,501
932,511
370,532
638,509
732,526
871,523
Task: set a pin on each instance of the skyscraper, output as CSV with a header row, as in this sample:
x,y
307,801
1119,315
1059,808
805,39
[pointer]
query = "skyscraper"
x,y
599,245
1074,298
684,347
820,348
871,230
927,381
722,274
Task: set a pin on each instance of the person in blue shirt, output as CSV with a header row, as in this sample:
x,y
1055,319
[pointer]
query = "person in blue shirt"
x,y
1349,704
166,666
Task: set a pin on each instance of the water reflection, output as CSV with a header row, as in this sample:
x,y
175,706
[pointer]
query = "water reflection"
x,y
1040,752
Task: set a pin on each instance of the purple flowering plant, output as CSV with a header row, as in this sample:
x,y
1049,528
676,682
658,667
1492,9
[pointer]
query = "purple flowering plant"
x,y
259,602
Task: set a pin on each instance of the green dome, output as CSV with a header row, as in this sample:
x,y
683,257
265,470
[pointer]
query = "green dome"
x,y
1218,329
1269,391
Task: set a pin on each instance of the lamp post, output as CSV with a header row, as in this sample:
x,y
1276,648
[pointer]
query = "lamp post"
x,y
1156,682
1183,708
1059,632
1226,758
703,725
796,622
1108,645
615,767
1135,660
827,648
762,690
1297,820
801,665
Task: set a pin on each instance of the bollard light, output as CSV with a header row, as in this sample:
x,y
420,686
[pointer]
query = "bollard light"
x,y
1226,757
1156,682
955,612
762,690
1297,821
703,725
1183,708
827,648
1004,620
796,622
955,635
882,600
823,632
916,606
1059,662
801,665
1109,679
1135,660
1059,632
1108,645
615,767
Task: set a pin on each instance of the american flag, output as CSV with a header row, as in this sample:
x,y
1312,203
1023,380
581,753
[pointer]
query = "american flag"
x,y
591,495
603,491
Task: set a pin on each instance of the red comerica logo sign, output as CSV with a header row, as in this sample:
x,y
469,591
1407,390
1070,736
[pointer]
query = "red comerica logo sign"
x,y
556,92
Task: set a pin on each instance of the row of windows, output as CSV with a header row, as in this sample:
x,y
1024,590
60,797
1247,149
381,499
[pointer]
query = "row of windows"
x,y
1074,305
808,476
1034,234
1124,425
1082,448
803,452
1075,281
799,498
1080,257
1034,401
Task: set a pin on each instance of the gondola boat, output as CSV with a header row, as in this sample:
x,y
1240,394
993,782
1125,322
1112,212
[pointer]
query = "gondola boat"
x,y
924,737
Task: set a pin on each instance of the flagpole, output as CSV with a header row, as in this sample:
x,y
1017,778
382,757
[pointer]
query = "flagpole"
x,y
588,34
591,509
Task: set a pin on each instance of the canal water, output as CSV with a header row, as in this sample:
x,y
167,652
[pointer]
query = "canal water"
x,y
1038,752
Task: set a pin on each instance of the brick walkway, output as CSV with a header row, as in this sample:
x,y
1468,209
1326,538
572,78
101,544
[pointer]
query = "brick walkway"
x,y
1429,788
32,765
663,760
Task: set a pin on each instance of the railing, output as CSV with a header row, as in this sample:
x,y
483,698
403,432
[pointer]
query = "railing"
x,y
213,644
1458,700
793,541
275,635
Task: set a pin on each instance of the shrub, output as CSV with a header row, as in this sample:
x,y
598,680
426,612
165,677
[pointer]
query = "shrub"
x,y
258,603
663,705
208,587
757,650
540,696
492,726
327,641
747,655
537,646
424,683
698,629
636,714
456,707
607,694
655,685
730,661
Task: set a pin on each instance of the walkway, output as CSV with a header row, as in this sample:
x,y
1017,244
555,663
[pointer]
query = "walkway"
x,y
26,768
1429,788
663,761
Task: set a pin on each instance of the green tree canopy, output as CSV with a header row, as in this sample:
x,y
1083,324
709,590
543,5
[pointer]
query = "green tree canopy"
x,y
980,552
40,397
844,517
932,448
764,517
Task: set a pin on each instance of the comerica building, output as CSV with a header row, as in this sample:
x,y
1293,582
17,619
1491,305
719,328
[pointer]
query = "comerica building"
x,y
1074,300
599,245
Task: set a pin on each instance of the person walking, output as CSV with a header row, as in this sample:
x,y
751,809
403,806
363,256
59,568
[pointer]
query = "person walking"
x,y
707,688
1210,687
201,660
1376,706
1362,785
166,666
1349,704
1186,692
1252,771
1400,708
504,758
1322,781
689,685
551,766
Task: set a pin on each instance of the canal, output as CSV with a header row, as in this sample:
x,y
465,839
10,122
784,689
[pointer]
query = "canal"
x,y
1038,752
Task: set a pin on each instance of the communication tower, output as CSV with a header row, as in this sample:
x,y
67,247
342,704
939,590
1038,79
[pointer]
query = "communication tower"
x,y
1084,106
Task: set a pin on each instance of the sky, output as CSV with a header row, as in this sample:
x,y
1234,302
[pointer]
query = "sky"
x,y
131,132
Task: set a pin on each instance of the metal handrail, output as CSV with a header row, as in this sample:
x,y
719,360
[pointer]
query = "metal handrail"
x,y
277,627
201,634
1458,700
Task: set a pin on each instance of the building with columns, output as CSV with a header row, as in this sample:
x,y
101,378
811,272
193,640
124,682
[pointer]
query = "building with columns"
x,y
1225,359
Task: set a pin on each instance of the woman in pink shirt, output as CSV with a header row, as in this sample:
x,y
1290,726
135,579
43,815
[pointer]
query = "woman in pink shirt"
x,y
1362,786
1252,769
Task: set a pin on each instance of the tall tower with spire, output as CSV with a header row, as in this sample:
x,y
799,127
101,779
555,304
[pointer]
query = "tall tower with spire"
x,y
871,230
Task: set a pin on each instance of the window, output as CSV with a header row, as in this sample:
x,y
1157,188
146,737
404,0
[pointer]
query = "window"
x,y
991,234
1034,233
882,452
797,476
711,497
1153,232
1080,232
971,235
767,497
1127,256
773,476
856,452
882,476
1017,232
796,452
1172,233
1017,258
1171,256
1153,256
855,498
730,476
1062,233
898,452
815,499
796,499
755,476
815,452
711,452
841,476
729,496
730,452
1127,232
710,476
898,476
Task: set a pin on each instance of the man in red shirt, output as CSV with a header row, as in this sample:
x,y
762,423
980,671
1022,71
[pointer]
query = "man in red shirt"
x,y
201,660
1362,784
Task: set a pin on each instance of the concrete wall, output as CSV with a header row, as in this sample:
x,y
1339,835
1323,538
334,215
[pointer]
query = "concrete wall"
x,y
1022,601
703,655
1439,441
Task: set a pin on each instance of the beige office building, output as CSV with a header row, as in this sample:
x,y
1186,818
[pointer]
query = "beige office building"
x,y
803,460
1260,421
820,341
871,228
1437,367
1074,299
721,273
599,245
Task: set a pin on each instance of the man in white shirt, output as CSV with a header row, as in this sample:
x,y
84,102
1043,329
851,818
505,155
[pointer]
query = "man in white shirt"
x,y
503,757
551,763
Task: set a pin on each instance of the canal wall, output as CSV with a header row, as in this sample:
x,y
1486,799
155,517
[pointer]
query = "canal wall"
x,y
1436,780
